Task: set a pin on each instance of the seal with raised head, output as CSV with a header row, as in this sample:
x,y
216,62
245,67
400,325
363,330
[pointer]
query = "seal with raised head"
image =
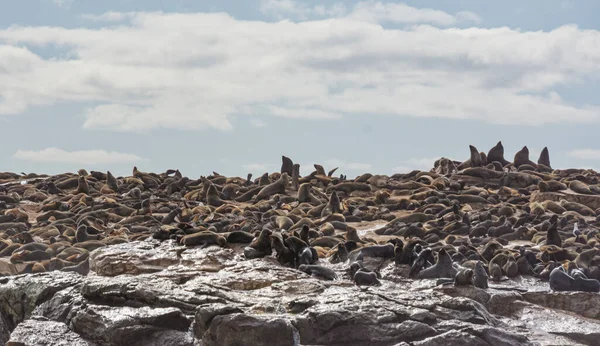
x,y
522,158
496,154
480,277
473,161
441,269
287,165
276,187
544,158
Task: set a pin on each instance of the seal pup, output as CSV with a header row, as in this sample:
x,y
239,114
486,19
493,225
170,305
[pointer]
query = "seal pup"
x,y
463,277
480,277
285,256
363,277
552,236
319,271
240,237
260,247
421,262
383,251
441,269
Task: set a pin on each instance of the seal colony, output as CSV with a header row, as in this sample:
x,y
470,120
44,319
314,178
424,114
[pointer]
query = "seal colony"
x,y
463,222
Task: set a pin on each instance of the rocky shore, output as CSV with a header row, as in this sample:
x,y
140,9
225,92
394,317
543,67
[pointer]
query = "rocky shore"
x,y
476,252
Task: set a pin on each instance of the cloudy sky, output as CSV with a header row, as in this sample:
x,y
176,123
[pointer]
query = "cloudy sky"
x,y
230,85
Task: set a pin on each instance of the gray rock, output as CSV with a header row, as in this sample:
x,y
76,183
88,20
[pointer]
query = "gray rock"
x,y
131,326
241,329
208,296
452,338
21,294
131,258
41,332
582,303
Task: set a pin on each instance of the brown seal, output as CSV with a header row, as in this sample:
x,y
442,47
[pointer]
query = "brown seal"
x,y
274,188
522,158
544,158
496,154
580,187
203,238
473,161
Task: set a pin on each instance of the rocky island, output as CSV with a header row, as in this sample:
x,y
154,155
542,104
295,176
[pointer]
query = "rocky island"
x,y
476,252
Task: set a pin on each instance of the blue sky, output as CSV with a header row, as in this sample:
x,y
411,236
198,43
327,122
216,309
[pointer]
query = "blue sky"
x,y
230,86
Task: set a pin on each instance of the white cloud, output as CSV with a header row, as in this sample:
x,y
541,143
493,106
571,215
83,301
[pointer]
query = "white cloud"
x,y
108,16
140,76
84,157
585,154
303,113
369,11
377,12
422,164
281,9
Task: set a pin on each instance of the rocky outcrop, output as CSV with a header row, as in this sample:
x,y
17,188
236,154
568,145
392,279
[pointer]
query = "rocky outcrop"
x,y
208,296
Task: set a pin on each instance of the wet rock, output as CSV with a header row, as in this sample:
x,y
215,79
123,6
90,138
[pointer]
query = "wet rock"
x,y
21,294
4,330
206,314
452,338
582,303
132,326
149,290
42,332
133,258
260,302
61,306
492,335
238,329
255,274
564,327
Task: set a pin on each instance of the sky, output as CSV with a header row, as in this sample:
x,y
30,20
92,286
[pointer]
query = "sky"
x,y
229,86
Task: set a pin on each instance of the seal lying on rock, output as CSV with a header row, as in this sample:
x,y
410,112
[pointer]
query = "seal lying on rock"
x,y
561,281
319,271
466,215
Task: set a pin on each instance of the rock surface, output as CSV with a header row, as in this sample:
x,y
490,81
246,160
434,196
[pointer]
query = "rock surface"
x,y
258,302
